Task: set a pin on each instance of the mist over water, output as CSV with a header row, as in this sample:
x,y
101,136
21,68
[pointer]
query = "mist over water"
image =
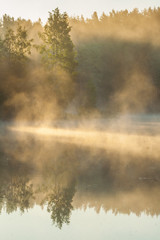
x,y
136,135
80,123
96,168
73,172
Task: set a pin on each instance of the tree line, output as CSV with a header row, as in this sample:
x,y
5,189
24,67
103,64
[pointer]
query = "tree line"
x,y
75,66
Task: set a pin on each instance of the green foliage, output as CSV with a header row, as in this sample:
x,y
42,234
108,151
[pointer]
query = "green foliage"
x,y
60,205
57,49
112,52
7,23
17,45
18,194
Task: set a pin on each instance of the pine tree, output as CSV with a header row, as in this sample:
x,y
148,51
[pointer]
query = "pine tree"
x,y
57,49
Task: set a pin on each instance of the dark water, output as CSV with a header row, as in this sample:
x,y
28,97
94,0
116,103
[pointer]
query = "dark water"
x,y
55,190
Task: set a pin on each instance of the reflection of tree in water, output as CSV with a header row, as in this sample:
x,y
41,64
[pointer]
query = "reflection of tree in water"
x,y
15,189
60,205
56,185
59,175
124,184
15,194
18,195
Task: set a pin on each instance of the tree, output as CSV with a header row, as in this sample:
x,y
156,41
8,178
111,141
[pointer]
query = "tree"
x,y
7,23
17,45
1,48
95,17
60,205
57,49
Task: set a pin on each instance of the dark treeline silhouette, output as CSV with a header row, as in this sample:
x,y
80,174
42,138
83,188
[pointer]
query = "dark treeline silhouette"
x,y
76,66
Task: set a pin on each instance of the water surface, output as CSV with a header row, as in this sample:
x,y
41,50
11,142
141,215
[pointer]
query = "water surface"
x,y
80,186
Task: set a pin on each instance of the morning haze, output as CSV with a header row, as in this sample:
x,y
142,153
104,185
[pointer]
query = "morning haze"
x,y
80,120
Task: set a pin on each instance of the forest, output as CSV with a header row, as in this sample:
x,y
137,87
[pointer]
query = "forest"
x,y
72,67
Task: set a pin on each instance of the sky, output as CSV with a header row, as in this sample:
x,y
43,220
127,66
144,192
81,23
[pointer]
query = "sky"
x,y
34,9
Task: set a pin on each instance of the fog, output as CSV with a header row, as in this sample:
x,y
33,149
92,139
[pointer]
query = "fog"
x,y
112,69
80,123
116,171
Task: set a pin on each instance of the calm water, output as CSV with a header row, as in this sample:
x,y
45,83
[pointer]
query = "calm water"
x,y
54,189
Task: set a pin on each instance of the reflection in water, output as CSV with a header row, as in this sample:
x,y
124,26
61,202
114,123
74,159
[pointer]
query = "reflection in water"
x,y
65,176
60,205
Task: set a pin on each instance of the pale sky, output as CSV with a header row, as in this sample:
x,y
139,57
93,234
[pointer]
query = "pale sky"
x,y
34,9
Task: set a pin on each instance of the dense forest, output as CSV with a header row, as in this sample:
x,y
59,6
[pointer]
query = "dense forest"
x,y
72,67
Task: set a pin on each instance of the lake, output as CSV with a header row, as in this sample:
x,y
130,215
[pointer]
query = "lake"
x,y
80,184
